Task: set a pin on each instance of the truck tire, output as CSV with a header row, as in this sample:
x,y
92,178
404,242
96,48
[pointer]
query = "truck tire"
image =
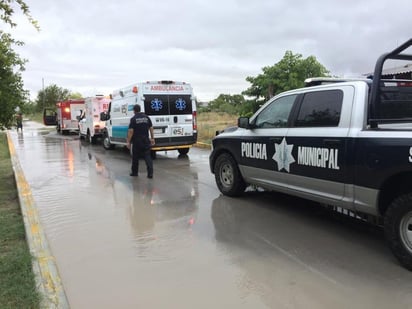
x,y
227,175
183,151
106,142
398,229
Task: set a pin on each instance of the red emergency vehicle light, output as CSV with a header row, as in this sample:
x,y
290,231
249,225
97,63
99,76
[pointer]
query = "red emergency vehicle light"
x,y
194,121
67,109
404,84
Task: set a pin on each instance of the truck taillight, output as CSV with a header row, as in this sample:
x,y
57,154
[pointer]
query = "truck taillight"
x,y
194,122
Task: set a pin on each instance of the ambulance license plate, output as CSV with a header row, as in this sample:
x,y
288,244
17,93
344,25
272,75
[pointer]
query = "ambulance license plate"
x,y
177,131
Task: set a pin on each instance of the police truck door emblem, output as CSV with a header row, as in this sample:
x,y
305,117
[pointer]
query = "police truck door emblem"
x,y
156,104
180,104
283,155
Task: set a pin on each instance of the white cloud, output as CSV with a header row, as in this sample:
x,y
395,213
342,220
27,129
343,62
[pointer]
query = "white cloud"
x,y
89,46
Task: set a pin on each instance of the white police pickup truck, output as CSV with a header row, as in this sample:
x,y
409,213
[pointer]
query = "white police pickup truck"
x,y
341,143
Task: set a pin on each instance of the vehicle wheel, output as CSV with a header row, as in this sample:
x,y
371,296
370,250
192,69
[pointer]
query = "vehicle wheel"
x,y
183,151
398,229
227,176
106,142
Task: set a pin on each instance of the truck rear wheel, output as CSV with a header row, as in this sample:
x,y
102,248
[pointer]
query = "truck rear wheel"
x,y
183,151
398,229
227,175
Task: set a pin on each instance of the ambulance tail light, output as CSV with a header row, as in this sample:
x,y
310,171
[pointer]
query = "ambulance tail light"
x,y
67,109
194,121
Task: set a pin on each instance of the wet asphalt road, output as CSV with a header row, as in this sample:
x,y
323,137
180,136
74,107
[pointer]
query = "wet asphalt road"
x,y
175,242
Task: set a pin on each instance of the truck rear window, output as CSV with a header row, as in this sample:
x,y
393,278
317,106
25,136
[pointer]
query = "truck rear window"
x,y
396,102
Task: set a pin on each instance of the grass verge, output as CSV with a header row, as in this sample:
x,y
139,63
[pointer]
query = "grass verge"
x,y
17,282
210,122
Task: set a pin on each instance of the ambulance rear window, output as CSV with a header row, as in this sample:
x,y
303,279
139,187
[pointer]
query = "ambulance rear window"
x,y
156,105
180,104
168,104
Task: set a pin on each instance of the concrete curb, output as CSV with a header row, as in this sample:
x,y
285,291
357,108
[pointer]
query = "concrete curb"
x,y
203,145
44,265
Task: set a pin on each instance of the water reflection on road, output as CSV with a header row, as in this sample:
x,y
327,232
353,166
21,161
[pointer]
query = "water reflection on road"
x,y
128,242
175,242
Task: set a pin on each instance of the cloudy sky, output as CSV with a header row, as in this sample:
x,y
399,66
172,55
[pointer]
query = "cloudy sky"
x,y
96,46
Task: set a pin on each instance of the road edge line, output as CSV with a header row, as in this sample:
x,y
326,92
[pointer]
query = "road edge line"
x,y
44,265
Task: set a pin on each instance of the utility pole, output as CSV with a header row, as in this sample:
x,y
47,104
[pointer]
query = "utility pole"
x,y
42,80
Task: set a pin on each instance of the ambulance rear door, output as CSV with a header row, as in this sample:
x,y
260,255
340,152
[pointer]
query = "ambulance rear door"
x,y
172,116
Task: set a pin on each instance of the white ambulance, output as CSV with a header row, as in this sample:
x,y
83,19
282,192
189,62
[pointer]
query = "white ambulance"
x,y
170,105
90,125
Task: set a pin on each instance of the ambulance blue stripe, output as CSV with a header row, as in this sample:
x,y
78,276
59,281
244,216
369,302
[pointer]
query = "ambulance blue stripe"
x,y
119,131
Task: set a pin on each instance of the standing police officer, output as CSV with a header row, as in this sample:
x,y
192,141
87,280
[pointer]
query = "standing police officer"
x,y
138,135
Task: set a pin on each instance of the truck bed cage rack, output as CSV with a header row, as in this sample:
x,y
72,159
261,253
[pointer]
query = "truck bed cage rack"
x,y
374,100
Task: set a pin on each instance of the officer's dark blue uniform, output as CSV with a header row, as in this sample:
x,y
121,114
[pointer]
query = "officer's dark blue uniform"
x,y
138,136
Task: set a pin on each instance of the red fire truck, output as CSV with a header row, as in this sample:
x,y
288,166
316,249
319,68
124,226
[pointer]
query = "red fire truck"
x,y
65,117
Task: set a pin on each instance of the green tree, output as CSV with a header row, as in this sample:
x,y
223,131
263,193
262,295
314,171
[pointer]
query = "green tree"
x,y
48,97
12,93
289,73
227,103
7,11
76,95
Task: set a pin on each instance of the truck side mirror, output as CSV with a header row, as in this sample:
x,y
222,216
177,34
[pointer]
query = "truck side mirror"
x,y
104,116
243,122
